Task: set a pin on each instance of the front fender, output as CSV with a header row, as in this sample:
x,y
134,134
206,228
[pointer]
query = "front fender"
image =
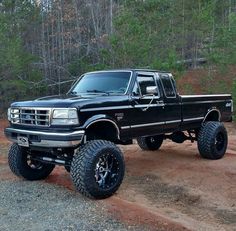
x,y
97,118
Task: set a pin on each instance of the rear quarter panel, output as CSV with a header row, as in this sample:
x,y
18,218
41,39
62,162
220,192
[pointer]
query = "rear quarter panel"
x,y
196,107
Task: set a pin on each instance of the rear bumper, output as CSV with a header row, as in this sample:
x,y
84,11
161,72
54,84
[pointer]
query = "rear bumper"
x,y
46,139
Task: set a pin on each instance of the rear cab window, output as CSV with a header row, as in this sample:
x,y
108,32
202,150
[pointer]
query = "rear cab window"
x,y
168,86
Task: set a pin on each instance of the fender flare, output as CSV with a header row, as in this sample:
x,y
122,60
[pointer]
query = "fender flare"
x,y
210,111
102,118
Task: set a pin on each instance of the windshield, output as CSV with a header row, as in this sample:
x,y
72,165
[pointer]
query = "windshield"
x,y
102,83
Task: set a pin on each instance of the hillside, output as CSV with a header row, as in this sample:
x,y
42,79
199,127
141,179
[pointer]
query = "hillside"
x,y
200,81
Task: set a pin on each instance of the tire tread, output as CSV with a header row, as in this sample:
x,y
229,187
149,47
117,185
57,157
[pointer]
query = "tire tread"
x,y
144,144
82,163
206,139
20,169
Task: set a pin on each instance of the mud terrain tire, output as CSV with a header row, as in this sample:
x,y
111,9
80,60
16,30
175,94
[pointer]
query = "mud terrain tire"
x,y
150,142
97,169
19,165
212,140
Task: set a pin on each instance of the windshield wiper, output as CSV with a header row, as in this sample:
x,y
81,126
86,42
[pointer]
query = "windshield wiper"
x,y
73,93
97,91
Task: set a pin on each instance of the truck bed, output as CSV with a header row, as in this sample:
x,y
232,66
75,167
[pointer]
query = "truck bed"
x,y
196,107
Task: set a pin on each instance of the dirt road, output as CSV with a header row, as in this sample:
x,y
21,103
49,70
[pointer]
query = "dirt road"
x,y
170,189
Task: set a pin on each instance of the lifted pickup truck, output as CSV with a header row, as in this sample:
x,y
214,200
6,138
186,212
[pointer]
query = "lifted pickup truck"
x,y
80,130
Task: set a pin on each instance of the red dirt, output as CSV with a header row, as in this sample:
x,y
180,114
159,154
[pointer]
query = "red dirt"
x,y
176,183
3,124
202,81
133,213
168,189
60,177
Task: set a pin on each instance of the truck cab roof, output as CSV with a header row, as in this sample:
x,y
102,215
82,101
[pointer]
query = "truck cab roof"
x,y
133,70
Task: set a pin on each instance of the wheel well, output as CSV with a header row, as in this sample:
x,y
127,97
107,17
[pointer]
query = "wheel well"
x,y
105,130
213,115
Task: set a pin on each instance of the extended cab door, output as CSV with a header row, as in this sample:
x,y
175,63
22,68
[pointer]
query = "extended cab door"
x,y
147,109
172,111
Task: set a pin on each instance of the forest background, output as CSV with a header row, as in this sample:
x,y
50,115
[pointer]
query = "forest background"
x,y
46,45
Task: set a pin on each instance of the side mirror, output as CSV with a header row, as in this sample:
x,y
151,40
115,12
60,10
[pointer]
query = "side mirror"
x,y
151,90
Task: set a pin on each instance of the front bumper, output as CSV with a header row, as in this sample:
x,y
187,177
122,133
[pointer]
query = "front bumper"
x,y
46,139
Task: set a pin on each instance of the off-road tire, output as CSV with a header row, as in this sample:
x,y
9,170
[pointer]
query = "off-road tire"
x,y
150,143
83,168
67,168
17,160
212,140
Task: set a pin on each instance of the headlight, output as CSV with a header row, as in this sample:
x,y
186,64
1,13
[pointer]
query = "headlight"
x,y
13,115
65,116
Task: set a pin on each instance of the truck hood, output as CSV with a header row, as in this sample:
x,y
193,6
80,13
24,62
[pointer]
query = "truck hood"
x,y
66,101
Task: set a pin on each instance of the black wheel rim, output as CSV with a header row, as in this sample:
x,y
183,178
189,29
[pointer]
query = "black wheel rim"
x,y
220,141
152,140
107,171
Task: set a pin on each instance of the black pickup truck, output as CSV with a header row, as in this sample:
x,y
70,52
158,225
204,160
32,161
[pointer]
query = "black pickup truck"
x,y
79,130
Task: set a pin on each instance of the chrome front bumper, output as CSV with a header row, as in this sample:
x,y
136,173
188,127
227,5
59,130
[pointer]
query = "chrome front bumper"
x,y
46,139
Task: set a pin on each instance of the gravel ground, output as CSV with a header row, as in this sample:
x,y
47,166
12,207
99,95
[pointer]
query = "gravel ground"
x,y
37,206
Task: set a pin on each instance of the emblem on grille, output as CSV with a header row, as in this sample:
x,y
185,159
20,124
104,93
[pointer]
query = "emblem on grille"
x,y
27,117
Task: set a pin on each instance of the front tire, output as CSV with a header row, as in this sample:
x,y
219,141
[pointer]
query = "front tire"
x,y
212,140
97,169
150,142
21,165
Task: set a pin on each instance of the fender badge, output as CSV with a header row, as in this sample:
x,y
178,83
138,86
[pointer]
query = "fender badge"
x,y
119,116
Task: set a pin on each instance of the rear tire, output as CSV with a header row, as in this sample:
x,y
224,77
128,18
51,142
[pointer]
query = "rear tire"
x,y
97,169
212,140
150,142
22,166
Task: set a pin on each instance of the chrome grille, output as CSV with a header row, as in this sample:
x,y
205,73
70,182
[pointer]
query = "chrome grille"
x,y
30,116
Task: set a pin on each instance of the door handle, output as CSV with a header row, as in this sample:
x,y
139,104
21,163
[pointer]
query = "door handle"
x,y
160,103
